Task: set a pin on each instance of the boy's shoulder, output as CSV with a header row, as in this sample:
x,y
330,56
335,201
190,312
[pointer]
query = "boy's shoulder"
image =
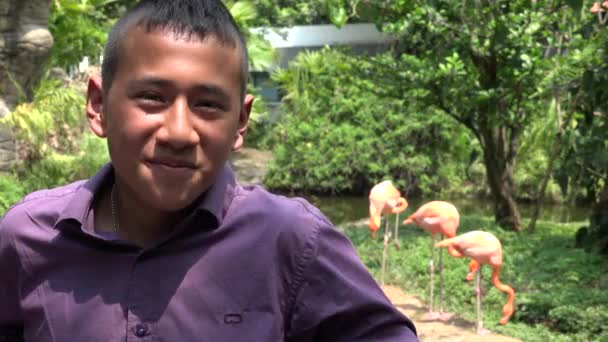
x,y
45,197
41,206
48,194
276,211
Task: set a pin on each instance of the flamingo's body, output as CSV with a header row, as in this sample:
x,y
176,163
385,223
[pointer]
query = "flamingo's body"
x,y
600,11
436,217
482,248
597,8
384,198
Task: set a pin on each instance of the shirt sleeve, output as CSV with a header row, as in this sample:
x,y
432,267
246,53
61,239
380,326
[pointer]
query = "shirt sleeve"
x,y
338,299
11,324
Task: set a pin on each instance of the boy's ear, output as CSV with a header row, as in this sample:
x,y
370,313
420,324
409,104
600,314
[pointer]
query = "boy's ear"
x,y
95,106
243,122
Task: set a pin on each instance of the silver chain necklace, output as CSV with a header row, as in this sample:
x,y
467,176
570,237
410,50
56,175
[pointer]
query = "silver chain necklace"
x,y
114,213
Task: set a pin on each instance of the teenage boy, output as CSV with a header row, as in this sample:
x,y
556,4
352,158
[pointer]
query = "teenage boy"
x,y
162,244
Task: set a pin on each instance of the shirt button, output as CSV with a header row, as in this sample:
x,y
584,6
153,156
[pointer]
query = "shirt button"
x,y
140,330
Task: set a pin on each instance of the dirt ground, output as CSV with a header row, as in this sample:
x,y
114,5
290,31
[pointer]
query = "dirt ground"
x,y
453,330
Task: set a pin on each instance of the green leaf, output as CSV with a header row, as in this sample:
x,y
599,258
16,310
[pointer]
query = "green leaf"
x,y
337,14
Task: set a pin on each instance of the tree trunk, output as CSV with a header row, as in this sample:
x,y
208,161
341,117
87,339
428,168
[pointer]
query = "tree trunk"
x,y
599,221
499,159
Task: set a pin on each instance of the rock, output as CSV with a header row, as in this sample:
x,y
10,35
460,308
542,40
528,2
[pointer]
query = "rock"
x,y
250,165
25,44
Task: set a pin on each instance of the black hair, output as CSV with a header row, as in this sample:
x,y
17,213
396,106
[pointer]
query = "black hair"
x,y
184,18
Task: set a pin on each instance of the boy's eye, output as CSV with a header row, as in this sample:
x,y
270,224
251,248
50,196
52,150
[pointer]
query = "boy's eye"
x,y
207,105
150,98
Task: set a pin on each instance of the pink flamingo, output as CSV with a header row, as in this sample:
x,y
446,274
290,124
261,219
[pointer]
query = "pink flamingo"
x,y
436,217
482,248
384,198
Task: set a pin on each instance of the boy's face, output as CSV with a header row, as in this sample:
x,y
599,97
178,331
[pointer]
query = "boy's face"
x,y
173,114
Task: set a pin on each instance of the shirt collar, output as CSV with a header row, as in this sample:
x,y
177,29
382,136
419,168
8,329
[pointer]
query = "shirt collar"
x,y
215,200
77,208
218,197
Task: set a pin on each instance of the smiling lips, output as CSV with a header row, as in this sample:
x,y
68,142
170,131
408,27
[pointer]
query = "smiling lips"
x,y
174,163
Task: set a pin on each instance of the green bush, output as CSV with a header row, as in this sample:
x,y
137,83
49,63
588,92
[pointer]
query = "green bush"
x,y
55,146
52,122
533,157
11,190
560,291
528,175
573,318
346,126
80,27
56,169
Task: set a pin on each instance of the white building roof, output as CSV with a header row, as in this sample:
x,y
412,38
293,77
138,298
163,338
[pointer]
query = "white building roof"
x,y
321,35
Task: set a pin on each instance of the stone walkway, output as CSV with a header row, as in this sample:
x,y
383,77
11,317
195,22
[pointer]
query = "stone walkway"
x,y
454,330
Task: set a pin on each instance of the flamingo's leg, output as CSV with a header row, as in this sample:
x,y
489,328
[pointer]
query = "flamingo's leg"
x,y
473,267
387,236
431,271
440,280
478,293
397,243
431,315
480,329
443,316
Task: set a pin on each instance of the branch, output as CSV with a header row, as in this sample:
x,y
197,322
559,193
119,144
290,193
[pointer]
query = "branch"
x,y
593,172
466,122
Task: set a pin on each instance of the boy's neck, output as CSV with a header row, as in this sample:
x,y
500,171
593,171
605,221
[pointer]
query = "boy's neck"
x,y
132,220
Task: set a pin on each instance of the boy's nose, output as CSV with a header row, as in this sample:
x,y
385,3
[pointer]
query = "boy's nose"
x,y
178,129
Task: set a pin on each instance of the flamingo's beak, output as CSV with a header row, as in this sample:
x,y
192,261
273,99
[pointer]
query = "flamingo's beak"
x,y
374,224
374,220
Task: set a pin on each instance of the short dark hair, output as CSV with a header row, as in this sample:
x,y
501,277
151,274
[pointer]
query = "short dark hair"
x,y
184,18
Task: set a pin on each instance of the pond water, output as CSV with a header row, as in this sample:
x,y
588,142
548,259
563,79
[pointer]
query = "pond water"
x,y
346,209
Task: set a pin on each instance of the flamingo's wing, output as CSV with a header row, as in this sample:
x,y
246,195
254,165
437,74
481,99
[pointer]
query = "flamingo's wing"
x,y
478,252
374,216
431,221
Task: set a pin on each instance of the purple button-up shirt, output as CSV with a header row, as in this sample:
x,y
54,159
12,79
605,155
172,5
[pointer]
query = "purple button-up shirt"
x,y
245,265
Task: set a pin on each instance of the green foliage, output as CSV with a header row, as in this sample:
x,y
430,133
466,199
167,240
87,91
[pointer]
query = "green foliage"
x,y
261,53
11,190
560,290
533,157
259,120
341,132
54,145
80,27
50,122
288,12
583,164
56,169
485,66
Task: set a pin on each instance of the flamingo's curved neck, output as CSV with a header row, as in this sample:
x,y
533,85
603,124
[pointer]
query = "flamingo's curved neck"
x,y
507,309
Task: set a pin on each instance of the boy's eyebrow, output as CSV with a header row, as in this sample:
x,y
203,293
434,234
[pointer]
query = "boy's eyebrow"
x,y
162,83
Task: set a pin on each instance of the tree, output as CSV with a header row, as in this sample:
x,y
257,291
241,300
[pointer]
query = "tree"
x,y
575,55
584,161
343,133
80,29
484,61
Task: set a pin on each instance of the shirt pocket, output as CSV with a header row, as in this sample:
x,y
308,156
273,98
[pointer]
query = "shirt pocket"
x,y
245,324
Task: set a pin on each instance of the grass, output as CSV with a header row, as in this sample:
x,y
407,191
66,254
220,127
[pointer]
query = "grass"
x,y
561,292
